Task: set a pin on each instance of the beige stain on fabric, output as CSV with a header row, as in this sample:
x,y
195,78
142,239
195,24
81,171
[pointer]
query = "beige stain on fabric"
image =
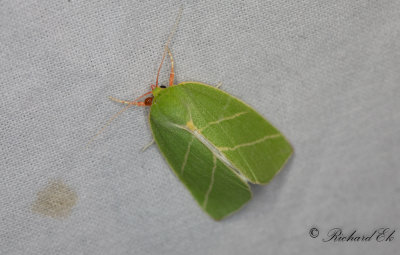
x,y
56,200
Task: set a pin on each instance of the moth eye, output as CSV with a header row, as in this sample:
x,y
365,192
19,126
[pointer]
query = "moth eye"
x,y
163,87
148,101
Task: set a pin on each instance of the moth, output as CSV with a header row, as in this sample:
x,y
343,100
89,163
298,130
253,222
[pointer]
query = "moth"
x,y
214,143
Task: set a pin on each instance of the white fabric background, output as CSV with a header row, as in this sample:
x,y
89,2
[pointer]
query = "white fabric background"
x,y
326,73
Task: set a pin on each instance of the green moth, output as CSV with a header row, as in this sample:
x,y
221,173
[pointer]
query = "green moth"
x,y
214,143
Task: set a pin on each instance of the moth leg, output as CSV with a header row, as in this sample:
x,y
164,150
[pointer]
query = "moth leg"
x,y
127,102
148,145
134,102
120,101
172,73
218,85
167,43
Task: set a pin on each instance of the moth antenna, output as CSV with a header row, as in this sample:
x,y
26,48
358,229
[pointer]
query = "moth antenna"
x,y
130,103
107,124
168,41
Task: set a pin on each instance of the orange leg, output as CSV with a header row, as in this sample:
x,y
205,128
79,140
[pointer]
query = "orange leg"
x,y
135,102
128,102
159,68
172,73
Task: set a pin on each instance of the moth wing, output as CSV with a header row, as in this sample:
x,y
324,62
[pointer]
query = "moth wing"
x,y
217,189
250,143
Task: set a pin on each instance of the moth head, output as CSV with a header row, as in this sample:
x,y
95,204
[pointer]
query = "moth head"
x,y
148,101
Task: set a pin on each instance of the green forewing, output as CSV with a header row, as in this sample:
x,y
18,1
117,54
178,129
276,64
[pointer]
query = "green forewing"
x,y
215,144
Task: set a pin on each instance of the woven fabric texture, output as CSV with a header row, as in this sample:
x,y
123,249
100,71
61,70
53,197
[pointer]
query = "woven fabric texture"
x,y
325,73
